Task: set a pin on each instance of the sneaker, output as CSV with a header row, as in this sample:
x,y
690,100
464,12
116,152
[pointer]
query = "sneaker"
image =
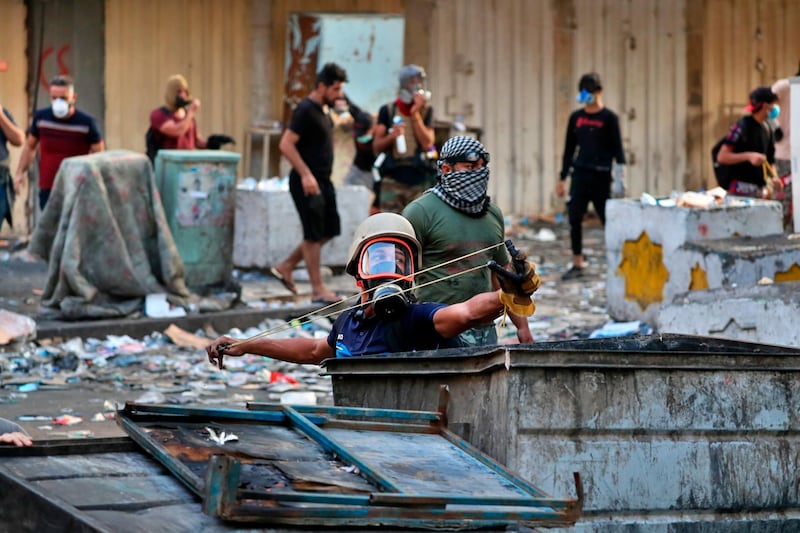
x,y
573,273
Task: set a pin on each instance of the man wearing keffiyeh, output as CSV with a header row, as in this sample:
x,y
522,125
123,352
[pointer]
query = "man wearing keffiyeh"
x,y
454,219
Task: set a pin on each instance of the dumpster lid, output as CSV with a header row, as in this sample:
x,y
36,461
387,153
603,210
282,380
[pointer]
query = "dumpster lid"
x,y
639,351
338,466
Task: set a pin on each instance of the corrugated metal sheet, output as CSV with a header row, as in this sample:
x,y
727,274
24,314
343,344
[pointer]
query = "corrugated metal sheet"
x,y
206,41
676,72
515,75
746,43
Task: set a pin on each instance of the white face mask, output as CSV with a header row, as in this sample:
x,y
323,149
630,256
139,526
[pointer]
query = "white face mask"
x,y
60,108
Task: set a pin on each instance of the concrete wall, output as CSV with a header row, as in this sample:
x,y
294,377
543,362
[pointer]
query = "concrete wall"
x,y
669,432
763,313
644,267
267,227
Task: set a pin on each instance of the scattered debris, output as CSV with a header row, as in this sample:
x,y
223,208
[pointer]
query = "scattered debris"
x,y
222,438
15,327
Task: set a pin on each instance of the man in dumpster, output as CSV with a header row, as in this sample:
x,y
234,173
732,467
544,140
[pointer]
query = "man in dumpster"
x,y
383,257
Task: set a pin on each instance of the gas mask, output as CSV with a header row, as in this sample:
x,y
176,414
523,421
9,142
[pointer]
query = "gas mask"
x,y
386,270
407,94
60,108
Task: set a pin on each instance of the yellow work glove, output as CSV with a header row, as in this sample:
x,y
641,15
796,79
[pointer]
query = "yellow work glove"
x,y
518,286
519,305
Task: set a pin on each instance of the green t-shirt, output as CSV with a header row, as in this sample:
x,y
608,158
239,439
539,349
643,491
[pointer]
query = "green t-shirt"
x,y
445,234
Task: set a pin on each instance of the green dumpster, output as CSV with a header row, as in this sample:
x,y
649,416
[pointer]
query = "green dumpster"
x,y
198,191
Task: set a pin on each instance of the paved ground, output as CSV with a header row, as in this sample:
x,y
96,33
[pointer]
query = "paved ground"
x,y
157,371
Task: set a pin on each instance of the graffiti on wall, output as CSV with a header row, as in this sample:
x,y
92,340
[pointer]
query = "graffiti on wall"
x,y
53,56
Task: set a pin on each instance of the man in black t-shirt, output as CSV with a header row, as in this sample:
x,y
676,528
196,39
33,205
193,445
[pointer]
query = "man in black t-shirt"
x,y
308,146
749,147
592,144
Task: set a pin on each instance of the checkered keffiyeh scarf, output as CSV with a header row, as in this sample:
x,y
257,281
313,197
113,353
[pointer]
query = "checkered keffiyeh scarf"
x,y
464,190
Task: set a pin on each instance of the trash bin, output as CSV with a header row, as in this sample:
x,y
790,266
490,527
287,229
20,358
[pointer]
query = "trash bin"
x,y
675,430
198,191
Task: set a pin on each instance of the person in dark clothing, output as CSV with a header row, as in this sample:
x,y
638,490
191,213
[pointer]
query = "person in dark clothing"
x,y
308,145
404,135
593,143
749,147
9,133
361,124
384,257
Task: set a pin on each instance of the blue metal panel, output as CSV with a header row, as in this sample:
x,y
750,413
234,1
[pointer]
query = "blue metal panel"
x,y
340,468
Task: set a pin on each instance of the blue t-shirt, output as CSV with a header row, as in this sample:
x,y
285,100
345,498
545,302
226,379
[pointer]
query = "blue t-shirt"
x,y
412,331
3,139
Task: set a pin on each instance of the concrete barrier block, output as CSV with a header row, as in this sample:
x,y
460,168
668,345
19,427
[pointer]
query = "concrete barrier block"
x,y
735,262
764,314
642,240
268,228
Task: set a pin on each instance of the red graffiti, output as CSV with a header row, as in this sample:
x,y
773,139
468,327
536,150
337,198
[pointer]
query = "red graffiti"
x,y
60,62
702,229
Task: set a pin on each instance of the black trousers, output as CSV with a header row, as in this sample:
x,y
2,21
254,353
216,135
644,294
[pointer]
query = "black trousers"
x,y
587,186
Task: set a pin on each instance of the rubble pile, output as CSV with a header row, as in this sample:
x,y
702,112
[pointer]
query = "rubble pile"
x,y
71,388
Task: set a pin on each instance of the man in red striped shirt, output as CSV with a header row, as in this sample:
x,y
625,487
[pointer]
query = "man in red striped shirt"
x,y
58,131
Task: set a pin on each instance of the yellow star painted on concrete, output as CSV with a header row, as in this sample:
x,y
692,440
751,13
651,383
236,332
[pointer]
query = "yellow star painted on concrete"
x,y
643,268
699,279
793,274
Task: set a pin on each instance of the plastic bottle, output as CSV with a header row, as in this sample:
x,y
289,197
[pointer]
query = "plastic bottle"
x,y
401,140
376,174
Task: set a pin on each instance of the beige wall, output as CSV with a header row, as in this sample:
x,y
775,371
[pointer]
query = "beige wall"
x,y
208,41
746,43
676,72
512,67
12,84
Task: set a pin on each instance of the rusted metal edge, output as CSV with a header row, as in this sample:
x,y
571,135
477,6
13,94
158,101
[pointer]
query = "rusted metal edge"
x,y
71,446
520,358
429,511
325,411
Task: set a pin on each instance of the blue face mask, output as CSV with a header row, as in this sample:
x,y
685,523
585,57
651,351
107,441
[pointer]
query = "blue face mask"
x,y
774,112
584,97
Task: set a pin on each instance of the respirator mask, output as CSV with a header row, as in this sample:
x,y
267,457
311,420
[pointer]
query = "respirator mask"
x,y
386,270
407,94
60,108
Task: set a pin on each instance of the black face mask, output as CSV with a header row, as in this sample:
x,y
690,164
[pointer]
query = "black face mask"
x,y
388,299
180,102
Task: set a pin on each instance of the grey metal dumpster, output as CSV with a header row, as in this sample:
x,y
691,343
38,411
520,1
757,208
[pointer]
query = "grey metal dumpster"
x,y
668,432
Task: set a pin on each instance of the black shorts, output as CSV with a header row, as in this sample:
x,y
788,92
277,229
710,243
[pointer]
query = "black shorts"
x,y
318,214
